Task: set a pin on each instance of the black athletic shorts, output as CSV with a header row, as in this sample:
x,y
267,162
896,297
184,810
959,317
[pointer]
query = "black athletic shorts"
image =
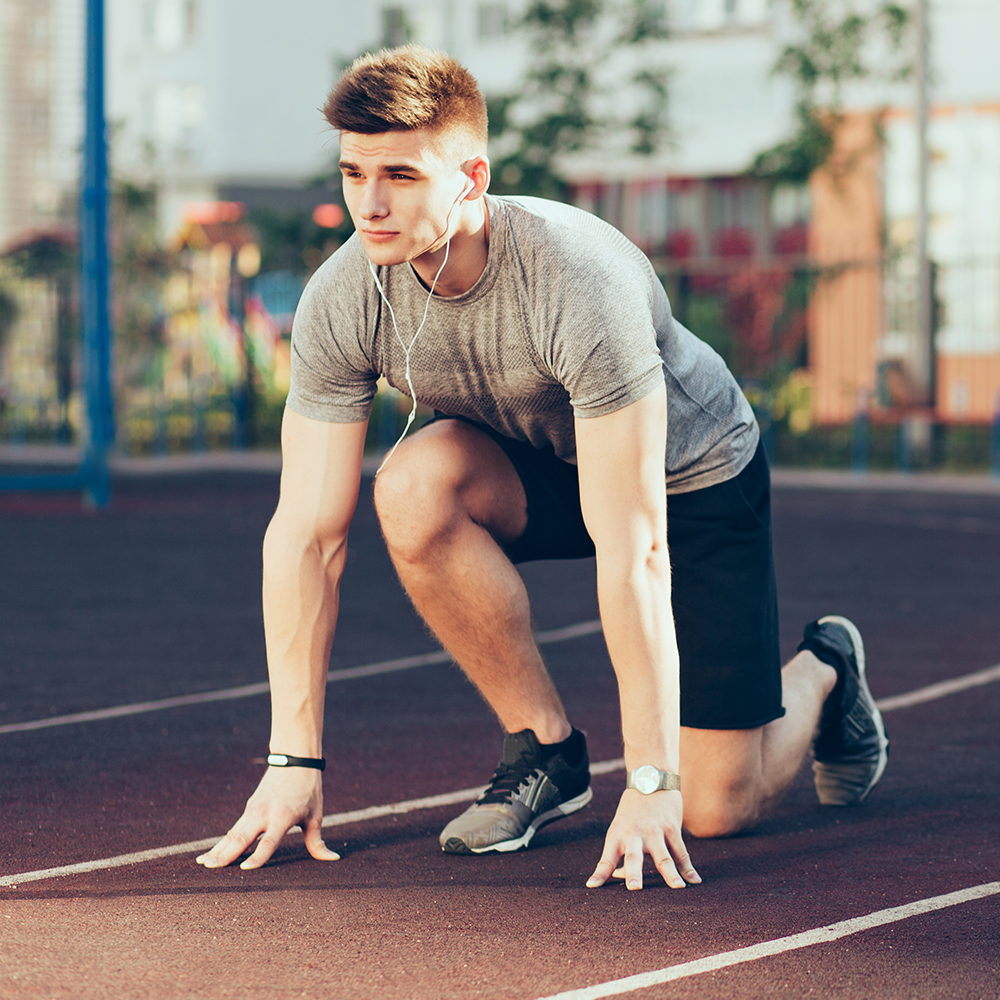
x,y
722,580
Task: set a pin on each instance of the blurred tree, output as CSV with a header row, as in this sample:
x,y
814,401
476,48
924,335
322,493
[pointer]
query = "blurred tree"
x,y
140,269
50,255
8,313
838,43
293,240
587,59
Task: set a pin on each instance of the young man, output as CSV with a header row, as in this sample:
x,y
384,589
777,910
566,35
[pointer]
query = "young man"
x,y
572,404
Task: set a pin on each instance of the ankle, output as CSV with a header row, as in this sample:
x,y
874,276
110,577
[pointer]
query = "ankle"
x,y
553,731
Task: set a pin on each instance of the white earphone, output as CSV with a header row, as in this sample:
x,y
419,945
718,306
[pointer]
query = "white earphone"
x,y
406,349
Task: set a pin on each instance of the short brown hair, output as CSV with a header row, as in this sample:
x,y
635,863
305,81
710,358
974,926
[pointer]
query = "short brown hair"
x,y
406,88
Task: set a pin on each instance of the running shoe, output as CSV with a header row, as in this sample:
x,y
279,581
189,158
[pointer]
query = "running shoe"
x,y
851,749
532,785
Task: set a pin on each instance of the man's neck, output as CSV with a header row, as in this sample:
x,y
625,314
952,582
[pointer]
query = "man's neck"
x,y
467,254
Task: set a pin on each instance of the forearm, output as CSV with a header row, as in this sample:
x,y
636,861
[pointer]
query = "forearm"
x,y
301,597
634,595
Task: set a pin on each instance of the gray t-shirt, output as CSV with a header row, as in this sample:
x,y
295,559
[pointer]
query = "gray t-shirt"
x,y
567,320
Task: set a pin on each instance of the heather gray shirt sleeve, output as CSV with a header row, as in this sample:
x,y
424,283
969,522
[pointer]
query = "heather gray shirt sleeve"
x,y
333,374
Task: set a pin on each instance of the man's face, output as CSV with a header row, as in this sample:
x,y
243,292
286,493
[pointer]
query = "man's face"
x,y
400,188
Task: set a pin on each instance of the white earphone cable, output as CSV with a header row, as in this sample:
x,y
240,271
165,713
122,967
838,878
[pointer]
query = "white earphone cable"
x,y
427,305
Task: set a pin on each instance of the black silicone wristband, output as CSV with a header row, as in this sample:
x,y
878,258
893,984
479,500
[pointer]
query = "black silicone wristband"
x,y
284,760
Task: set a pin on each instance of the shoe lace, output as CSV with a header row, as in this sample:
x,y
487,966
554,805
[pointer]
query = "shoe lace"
x,y
506,782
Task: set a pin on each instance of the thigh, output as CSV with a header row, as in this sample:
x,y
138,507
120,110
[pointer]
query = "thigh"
x,y
449,468
554,526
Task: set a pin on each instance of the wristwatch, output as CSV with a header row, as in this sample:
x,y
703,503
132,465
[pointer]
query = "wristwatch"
x,y
648,779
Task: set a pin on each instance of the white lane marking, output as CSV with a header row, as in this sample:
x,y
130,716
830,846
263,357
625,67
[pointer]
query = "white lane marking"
x,y
467,794
335,819
248,690
939,690
765,949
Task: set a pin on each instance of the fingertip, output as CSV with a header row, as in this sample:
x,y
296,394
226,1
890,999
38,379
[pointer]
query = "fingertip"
x,y
634,883
594,882
693,877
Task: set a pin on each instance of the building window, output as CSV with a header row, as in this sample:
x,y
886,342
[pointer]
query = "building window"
x,y
190,18
167,24
396,28
492,21
178,113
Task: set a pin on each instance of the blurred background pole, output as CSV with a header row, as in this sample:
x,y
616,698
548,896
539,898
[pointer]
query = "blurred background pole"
x,y
95,267
924,354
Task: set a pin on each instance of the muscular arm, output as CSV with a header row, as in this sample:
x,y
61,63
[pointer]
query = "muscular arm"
x,y
623,495
305,549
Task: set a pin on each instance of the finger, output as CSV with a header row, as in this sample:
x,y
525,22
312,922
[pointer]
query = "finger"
x,y
265,848
226,851
316,846
666,867
683,861
633,865
602,872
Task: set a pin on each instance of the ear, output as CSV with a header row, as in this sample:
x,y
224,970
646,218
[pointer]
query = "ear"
x,y
477,170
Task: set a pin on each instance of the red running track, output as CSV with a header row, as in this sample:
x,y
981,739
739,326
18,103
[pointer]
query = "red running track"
x,y
160,599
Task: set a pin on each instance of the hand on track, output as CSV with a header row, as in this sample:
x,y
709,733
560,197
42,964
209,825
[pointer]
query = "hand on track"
x,y
285,797
646,824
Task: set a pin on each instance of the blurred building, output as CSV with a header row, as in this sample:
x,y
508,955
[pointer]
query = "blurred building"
x,y
217,101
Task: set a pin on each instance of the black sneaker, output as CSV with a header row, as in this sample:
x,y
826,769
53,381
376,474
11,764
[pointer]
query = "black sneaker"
x,y
851,749
531,786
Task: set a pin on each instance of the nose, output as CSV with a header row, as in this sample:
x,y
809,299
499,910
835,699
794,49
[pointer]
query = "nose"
x,y
373,205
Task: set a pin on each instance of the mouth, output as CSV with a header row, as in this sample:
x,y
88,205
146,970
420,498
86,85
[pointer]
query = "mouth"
x,y
378,235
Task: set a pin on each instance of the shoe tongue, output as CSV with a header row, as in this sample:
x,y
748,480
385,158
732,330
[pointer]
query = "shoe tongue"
x,y
518,746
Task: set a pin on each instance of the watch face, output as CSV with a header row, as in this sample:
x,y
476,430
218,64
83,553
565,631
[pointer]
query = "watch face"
x,y
646,779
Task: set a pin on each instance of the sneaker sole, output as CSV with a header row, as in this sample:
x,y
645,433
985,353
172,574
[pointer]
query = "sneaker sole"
x,y
455,845
883,741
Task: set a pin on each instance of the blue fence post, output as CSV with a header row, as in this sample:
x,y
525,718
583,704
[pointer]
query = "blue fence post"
x,y
95,269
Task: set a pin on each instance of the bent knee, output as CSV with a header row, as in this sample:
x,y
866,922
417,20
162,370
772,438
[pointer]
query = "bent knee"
x,y
724,816
417,494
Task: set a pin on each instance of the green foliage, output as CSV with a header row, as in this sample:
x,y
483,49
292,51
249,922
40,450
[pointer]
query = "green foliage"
x,y
8,313
291,241
140,267
838,43
579,52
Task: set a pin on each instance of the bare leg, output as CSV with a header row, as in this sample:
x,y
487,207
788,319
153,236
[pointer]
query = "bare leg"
x,y
731,777
445,500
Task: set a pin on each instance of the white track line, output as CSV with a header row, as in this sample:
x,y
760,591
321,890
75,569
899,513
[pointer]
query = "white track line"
x,y
335,819
929,693
939,690
466,794
248,690
780,945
